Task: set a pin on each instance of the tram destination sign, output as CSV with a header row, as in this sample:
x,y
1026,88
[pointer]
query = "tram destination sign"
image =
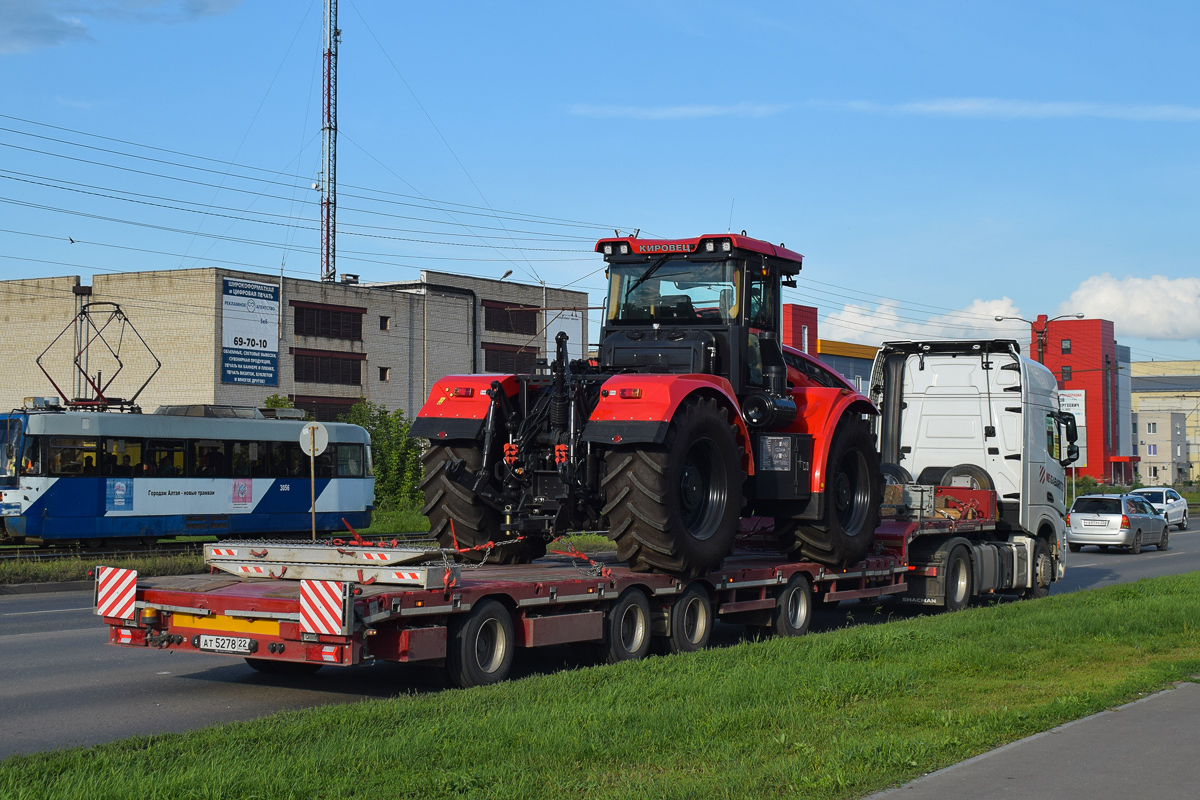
x,y
249,332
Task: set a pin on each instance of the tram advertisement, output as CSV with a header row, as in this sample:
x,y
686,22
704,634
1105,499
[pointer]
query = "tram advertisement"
x,y
249,333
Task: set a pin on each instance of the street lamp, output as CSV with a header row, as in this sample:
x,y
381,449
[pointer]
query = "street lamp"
x,y
1041,332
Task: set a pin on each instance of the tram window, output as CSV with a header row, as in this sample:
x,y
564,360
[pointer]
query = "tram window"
x,y
31,456
121,457
207,458
350,461
244,460
73,456
164,458
324,464
10,434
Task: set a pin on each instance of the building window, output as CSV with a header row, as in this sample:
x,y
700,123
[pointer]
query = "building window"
x,y
858,383
385,373
804,341
328,369
1151,449
507,359
323,409
1151,427
1066,374
385,323
329,323
1178,450
508,318
1066,348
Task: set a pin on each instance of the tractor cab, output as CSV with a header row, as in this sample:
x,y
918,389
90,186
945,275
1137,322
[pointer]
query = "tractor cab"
x,y
705,305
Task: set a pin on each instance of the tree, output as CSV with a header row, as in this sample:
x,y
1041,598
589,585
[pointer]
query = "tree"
x,y
396,458
278,401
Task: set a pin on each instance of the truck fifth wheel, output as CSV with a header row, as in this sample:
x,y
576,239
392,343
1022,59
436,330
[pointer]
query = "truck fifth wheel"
x,y
693,418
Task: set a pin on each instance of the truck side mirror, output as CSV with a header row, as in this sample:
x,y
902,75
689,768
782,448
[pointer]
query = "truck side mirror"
x,y
1072,455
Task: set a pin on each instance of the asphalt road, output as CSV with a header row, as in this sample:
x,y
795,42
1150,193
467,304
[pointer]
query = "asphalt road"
x,y
63,686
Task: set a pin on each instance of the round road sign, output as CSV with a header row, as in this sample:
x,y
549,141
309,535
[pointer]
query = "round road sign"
x,y
314,438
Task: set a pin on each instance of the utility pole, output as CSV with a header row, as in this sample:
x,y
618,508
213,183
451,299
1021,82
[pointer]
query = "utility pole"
x,y
329,147
1040,329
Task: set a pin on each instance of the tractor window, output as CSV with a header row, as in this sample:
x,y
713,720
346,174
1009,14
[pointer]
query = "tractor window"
x,y
762,301
673,289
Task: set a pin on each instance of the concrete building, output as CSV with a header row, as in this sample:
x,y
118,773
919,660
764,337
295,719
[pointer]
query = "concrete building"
x,y
1163,386
1162,446
852,361
230,337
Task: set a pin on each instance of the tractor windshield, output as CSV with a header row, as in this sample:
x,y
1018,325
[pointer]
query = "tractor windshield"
x,y
674,289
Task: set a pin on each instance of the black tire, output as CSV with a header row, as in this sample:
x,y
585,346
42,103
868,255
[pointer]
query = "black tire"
x,y
479,649
894,474
854,493
958,580
1183,522
978,477
1136,547
691,620
1074,548
1103,548
675,508
627,628
793,614
1163,543
1043,571
474,522
270,667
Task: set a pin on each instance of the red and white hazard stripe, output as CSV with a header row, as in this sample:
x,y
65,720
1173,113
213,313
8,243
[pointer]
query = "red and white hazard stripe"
x,y
250,569
375,556
407,576
116,590
224,551
321,607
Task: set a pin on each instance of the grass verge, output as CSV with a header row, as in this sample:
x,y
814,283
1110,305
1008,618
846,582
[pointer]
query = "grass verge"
x,y
51,570
832,715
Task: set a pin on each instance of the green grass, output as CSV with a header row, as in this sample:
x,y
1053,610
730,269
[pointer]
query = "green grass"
x,y
50,570
832,715
404,520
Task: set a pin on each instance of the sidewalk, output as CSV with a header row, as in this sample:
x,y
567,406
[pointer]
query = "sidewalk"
x,y
1148,748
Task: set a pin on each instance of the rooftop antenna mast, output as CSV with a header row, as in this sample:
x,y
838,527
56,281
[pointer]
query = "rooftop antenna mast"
x,y
329,147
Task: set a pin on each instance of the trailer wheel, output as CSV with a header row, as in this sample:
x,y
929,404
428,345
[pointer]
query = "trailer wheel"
x,y
894,474
1043,570
674,508
958,580
627,628
691,620
270,667
976,477
475,523
793,615
853,495
480,647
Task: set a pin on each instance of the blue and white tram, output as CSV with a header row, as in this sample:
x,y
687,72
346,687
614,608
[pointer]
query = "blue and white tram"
x,y
68,476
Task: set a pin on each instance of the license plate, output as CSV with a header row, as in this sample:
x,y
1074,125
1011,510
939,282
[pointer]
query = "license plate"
x,y
1095,523
225,644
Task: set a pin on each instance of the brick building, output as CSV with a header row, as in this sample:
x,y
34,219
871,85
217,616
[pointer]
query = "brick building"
x,y
231,337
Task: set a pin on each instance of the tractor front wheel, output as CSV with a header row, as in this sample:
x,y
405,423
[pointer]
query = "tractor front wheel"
x,y
675,507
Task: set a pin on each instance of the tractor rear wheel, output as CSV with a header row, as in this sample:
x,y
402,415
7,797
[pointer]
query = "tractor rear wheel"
x,y
853,494
475,523
675,507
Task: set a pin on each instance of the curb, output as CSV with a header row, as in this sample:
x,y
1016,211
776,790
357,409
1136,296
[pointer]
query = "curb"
x,y
45,588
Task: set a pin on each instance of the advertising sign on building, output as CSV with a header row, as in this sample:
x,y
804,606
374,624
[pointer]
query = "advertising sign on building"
x,y
1074,401
249,333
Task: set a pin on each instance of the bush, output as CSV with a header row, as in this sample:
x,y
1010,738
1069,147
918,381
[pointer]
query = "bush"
x,y
397,458
1086,485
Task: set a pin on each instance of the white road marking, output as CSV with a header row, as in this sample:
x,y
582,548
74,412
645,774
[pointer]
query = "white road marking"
x,y
45,611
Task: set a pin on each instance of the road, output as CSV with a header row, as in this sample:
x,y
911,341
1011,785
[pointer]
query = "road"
x,y
64,687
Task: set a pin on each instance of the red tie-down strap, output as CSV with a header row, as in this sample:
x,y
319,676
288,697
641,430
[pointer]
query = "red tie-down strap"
x,y
571,552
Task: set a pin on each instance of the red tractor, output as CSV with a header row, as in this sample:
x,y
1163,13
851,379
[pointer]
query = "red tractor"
x,y
692,418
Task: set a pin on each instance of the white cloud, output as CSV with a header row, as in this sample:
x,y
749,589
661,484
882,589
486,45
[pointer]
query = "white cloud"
x,y
29,24
1155,307
676,112
991,108
888,322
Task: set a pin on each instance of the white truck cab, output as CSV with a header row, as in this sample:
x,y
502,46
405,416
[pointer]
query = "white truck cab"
x,y
978,413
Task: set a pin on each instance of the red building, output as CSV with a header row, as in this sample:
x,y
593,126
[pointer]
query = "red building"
x,y
800,327
1082,354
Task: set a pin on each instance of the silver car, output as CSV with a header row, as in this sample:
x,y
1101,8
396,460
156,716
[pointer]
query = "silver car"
x,y
1115,520
1168,501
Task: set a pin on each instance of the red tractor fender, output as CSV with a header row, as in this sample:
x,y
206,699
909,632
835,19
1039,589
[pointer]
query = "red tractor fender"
x,y
639,408
457,406
818,412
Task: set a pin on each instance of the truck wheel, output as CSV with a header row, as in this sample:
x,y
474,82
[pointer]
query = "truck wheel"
x,y
480,647
675,508
474,522
958,580
977,477
793,615
270,667
691,620
853,495
894,474
627,628
1043,571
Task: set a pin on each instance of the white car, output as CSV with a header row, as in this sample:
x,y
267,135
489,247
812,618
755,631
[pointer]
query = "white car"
x,y
1168,501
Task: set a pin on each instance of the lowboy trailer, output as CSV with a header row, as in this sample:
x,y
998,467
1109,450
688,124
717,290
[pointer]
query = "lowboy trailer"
x,y
293,607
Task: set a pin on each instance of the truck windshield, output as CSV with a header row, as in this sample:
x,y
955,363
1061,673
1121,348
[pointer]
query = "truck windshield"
x,y
674,289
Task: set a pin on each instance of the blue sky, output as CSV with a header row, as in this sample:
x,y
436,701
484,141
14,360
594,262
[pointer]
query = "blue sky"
x,y
937,163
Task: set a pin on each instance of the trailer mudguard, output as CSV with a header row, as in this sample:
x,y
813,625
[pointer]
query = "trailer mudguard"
x,y
457,406
638,408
